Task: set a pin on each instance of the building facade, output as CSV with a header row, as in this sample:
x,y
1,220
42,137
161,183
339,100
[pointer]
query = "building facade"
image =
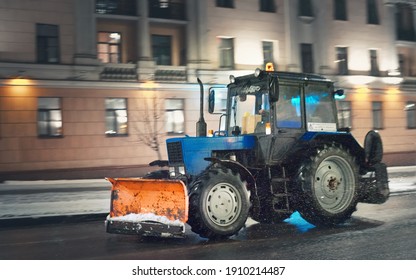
x,y
92,88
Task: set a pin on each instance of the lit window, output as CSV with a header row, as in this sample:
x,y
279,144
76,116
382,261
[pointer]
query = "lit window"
x,y
49,117
116,116
174,113
109,47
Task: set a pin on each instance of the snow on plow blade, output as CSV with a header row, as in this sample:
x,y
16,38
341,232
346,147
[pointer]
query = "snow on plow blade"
x,y
148,207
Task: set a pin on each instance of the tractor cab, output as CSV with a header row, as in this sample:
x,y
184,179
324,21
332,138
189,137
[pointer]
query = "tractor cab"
x,y
278,102
279,109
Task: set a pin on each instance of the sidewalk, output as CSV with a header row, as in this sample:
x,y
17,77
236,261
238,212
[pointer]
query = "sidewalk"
x,y
35,199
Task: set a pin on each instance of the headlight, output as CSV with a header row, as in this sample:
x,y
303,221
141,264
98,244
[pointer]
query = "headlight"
x,y
175,171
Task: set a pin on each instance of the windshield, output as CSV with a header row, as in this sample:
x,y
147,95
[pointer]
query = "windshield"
x,y
288,108
250,112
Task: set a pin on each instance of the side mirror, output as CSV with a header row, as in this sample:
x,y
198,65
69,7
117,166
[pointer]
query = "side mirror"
x,y
274,90
217,100
339,94
211,101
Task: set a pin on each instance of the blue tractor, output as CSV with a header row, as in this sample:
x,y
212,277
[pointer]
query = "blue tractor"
x,y
278,149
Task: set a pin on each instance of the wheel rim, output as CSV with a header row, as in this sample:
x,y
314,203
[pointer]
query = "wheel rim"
x,y
334,184
223,204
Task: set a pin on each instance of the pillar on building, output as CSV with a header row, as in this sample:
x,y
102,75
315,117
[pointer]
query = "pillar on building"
x,y
196,38
145,64
85,30
391,29
292,45
324,59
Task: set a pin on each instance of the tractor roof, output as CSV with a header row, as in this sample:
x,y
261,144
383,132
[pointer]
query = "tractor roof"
x,y
253,78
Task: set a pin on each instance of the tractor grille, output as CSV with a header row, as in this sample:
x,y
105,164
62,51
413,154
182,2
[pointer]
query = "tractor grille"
x,y
175,152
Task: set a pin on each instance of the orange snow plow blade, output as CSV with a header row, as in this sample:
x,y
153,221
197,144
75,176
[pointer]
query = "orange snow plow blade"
x,y
150,207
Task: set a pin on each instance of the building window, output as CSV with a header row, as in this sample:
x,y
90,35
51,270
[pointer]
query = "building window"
x,y
342,60
49,117
374,71
162,49
226,50
305,8
411,114
344,114
372,12
116,7
225,3
109,47
377,108
116,116
267,52
174,113
267,6
404,22
306,54
167,9
47,43
340,10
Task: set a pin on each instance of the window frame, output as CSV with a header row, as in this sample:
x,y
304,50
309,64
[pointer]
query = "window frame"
x,y
345,121
377,115
306,55
112,112
224,4
49,118
226,53
374,68
372,12
340,10
268,52
267,6
167,123
109,54
305,8
44,43
410,109
342,60
156,49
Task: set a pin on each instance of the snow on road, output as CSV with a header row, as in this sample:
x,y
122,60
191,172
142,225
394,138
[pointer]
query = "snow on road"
x,y
38,199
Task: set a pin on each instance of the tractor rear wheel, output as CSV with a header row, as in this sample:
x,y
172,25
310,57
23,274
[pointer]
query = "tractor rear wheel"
x,y
329,180
219,204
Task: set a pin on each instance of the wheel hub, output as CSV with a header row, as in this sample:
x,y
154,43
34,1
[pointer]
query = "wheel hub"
x,y
333,183
222,205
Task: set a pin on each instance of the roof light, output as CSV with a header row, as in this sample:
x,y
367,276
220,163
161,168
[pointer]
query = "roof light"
x,y
232,79
269,67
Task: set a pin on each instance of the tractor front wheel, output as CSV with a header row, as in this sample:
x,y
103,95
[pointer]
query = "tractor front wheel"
x,y
219,204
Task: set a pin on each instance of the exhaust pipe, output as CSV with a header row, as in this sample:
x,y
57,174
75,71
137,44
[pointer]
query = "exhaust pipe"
x,y
201,125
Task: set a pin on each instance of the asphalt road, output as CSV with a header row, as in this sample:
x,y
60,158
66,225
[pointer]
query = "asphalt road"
x,y
375,232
